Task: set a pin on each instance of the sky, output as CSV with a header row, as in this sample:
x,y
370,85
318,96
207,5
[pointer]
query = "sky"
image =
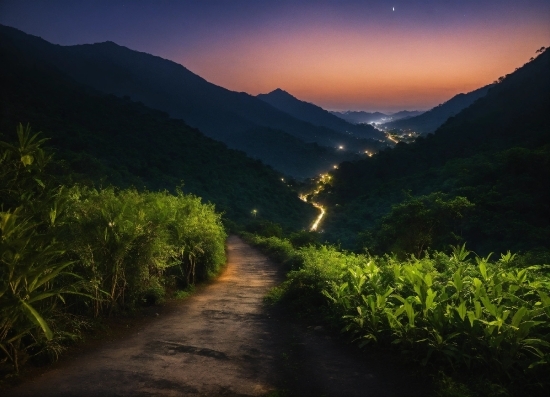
x,y
341,55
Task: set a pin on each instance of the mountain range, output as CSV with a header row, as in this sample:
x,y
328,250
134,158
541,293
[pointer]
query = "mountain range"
x,y
361,117
101,139
429,121
316,115
293,146
494,153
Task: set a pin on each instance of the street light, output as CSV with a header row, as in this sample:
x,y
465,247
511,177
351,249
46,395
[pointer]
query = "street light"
x,y
254,212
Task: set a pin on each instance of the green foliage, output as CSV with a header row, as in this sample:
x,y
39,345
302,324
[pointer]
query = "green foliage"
x,y
68,252
279,249
105,140
128,242
495,153
419,223
31,258
482,317
449,311
264,228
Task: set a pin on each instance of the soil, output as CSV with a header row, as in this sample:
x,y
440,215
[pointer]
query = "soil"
x,y
223,341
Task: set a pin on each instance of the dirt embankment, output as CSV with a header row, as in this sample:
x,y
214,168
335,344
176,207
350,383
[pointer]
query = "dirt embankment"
x,y
222,341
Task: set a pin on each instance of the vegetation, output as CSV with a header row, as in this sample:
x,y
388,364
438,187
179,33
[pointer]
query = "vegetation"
x,y
105,140
237,119
418,223
484,323
429,121
494,154
71,253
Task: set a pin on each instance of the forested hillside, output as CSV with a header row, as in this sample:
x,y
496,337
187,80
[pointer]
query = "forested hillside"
x,y
483,173
110,140
429,121
230,117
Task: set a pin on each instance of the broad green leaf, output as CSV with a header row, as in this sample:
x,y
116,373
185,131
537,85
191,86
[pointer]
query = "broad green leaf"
x,y
545,299
471,317
37,318
461,310
483,270
489,306
516,320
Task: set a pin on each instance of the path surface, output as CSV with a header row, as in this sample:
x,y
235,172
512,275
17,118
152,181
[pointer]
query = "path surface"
x,y
220,342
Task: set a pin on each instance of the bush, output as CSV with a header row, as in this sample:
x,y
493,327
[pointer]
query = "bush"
x,y
490,319
72,251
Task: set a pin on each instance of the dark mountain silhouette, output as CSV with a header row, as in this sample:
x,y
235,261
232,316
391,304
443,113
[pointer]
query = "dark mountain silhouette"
x,y
109,140
496,153
405,114
227,116
316,115
361,117
428,122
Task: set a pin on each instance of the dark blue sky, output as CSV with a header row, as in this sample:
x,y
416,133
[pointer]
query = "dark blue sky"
x,y
338,54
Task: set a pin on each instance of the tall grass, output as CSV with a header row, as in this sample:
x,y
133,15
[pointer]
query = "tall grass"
x,y
68,253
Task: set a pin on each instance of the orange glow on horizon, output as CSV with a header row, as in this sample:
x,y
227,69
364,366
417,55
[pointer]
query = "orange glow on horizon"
x,y
341,55
367,69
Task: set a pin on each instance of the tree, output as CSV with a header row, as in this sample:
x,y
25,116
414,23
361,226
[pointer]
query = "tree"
x,y
421,222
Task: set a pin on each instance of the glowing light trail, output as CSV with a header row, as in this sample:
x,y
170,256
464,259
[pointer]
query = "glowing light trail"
x,y
318,220
315,225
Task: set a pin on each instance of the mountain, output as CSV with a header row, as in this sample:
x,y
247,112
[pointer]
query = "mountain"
x,y
429,121
496,153
316,115
405,114
109,140
360,117
227,116
357,117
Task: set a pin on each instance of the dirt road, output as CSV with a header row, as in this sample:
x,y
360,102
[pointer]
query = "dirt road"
x,y
219,342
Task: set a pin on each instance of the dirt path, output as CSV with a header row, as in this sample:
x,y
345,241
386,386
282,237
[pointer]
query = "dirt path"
x,y
221,341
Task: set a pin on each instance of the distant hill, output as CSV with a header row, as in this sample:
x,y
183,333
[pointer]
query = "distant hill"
x,y
404,114
496,153
316,115
429,121
230,117
109,140
360,117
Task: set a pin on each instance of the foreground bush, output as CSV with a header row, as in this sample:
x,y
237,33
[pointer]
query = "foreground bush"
x,y
447,311
72,253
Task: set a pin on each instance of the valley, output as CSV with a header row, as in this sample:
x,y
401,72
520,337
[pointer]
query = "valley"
x,y
282,238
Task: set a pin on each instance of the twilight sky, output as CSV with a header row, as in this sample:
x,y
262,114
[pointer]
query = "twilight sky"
x,y
358,55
